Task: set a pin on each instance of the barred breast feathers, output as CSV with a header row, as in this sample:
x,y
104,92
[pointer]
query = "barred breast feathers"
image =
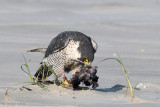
x,y
57,61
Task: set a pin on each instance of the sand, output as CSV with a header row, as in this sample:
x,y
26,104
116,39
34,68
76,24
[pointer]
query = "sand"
x,y
129,27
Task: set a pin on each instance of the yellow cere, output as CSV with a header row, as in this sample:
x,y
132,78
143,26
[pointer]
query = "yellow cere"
x,y
87,62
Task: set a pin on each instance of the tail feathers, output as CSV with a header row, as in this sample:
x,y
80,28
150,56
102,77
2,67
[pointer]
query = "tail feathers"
x,y
43,72
42,50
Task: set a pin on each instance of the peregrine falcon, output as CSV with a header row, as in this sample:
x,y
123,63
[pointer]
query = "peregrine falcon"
x,y
68,51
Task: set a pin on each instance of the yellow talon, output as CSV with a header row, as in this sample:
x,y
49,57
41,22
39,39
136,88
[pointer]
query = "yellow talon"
x,y
66,83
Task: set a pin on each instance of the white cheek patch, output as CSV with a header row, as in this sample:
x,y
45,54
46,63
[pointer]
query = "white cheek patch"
x,y
72,50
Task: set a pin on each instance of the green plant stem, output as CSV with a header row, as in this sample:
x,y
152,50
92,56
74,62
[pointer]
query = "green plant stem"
x,y
27,67
32,77
124,70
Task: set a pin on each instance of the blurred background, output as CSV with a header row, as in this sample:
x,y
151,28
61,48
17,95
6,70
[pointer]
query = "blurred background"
x,y
128,27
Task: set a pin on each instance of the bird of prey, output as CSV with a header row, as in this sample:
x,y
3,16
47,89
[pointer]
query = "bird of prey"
x,y
68,51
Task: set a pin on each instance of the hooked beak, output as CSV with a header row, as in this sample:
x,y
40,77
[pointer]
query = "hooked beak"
x,y
86,62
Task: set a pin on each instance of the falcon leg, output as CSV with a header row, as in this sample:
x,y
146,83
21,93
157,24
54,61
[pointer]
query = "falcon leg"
x,y
66,81
57,82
